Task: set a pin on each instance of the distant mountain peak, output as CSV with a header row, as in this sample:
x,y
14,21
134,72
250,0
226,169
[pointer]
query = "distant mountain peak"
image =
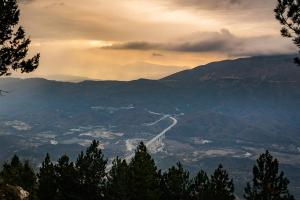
x,y
268,68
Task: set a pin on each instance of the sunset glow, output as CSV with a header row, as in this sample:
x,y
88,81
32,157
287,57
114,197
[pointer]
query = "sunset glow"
x,y
96,39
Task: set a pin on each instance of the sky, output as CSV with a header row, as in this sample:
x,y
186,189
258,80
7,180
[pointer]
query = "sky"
x,y
131,39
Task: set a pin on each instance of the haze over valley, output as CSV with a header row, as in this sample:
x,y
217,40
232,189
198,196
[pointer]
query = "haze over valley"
x,y
149,100
226,112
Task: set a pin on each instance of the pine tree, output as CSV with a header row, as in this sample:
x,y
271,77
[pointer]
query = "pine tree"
x,y
11,172
268,183
91,174
221,187
29,180
287,13
16,173
200,187
175,183
47,187
13,42
143,176
118,181
66,180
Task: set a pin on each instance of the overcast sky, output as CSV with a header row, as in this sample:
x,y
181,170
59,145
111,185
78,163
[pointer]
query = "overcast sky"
x,y
129,39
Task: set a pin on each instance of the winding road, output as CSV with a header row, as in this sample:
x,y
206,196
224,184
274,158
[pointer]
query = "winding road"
x,y
163,133
158,138
155,141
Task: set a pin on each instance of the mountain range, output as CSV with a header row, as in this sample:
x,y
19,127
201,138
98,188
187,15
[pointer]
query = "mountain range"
x,y
228,112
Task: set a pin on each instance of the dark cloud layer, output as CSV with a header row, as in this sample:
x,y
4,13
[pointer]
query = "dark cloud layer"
x,y
157,55
208,42
223,4
223,41
26,1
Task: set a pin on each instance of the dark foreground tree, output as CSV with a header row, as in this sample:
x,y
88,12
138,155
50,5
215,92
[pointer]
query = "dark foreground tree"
x,y
221,187
17,173
85,179
200,187
118,181
268,183
287,13
47,186
66,180
29,180
14,44
175,184
90,167
11,172
144,179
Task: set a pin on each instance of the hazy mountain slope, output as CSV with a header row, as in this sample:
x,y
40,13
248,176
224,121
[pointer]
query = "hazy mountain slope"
x,y
263,68
227,112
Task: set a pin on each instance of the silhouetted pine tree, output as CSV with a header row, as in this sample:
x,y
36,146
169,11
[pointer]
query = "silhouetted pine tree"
x,y
118,181
29,180
13,42
287,13
143,176
221,187
200,187
90,167
175,183
47,186
66,180
268,183
16,173
11,172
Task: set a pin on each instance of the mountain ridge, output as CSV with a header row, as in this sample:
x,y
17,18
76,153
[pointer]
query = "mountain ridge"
x,y
225,110
214,67
266,67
